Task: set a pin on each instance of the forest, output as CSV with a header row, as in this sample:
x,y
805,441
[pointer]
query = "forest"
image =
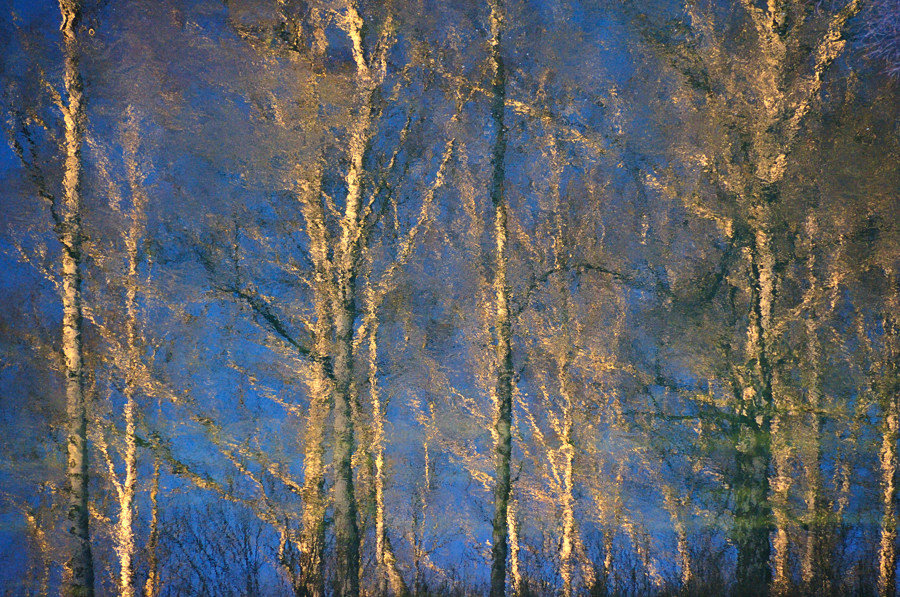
x,y
449,297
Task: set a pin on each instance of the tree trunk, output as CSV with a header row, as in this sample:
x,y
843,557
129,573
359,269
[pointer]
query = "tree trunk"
x,y
568,502
889,395
151,587
753,511
812,566
420,517
41,546
563,361
675,506
125,543
502,431
781,487
79,579
887,553
312,539
609,533
515,572
567,449
344,314
774,124
389,580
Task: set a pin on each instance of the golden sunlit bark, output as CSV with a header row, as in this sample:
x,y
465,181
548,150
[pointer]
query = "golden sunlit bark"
x,y
125,540
781,487
151,586
609,533
312,540
389,581
753,508
775,98
79,578
888,388
813,560
343,312
515,573
564,350
37,534
568,500
887,551
674,506
502,424
420,516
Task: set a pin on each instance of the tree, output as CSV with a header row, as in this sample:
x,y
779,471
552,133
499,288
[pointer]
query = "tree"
x,y
80,566
450,298
502,430
748,165
128,347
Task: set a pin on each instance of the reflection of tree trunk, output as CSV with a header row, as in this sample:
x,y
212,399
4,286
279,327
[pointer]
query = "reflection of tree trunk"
x,y
420,518
609,534
564,350
889,396
887,555
39,538
781,486
125,545
390,582
813,563
752,509
125,533
80,567
332,379
564,380
514,571
567,450
344,313
312,538
502,431
568,503
674,506
151,587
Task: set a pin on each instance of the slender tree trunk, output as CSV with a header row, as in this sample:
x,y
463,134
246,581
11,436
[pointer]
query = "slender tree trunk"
x,y
79,579
420,518
310,579
378,450
674,506
753,511
889,395
684,552
312,538
389,580
567,449
568,503
515,572
151,586
812,566
125,543
563,361
887,553
781,486
344,313
42,547
502,431
609,534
